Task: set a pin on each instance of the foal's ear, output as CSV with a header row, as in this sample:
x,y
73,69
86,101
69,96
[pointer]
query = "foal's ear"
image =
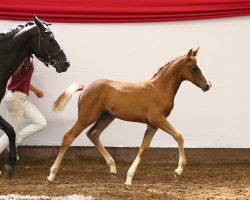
x,y
190,53
196,51
39,24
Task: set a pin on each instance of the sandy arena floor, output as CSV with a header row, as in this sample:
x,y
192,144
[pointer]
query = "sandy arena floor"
x,y
88,180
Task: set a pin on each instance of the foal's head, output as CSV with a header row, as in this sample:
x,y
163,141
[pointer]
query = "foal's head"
x,y
192,71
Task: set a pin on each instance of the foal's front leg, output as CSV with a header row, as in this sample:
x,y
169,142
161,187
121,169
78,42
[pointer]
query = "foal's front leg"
x,y
67,140
148,136
163,124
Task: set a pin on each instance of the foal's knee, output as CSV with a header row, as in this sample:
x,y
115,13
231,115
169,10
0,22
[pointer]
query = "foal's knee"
x,y
179,138
67,140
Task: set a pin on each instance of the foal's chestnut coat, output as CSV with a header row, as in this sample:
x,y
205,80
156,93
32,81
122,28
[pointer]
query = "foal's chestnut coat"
x,y
148,102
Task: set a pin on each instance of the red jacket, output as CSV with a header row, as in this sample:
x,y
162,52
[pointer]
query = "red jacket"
x,y
20,81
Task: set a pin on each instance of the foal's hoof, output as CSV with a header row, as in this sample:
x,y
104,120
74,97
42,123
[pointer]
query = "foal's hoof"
x,y
113,173
50,178
9,170
128,186
113,170
177,174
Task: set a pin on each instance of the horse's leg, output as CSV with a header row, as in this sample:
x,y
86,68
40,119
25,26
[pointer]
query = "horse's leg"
x,y
94,135
149,134
67,140
8,129
163,124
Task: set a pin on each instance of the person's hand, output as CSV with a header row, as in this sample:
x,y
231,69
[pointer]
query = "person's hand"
x,y
38,93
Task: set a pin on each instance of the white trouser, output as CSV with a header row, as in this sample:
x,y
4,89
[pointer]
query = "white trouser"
x,y
18,106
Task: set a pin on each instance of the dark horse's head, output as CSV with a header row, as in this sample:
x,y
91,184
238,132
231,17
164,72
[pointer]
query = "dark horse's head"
x,y
48,50
17,44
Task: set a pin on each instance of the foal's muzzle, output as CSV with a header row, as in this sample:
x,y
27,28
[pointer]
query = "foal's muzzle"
x,y
206,86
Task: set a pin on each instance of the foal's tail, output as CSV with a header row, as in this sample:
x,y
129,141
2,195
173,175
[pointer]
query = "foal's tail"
x,y
64,98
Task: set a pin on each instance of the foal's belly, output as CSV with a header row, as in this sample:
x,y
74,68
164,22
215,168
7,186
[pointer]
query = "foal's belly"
x,y
135,115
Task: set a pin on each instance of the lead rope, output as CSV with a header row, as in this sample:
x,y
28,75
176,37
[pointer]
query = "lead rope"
x,y
19,67
20,75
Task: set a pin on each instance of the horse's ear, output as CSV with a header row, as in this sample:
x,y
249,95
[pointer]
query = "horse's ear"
x,y
39,24
196,51
190,53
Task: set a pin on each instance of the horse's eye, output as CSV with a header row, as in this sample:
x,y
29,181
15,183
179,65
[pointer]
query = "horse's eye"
x,y
51,39
49,36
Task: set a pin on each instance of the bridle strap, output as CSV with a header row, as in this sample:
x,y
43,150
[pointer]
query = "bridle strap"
x,y
49,56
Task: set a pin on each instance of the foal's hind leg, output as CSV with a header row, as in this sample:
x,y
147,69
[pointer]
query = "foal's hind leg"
x,y
149,134
67,140
94,135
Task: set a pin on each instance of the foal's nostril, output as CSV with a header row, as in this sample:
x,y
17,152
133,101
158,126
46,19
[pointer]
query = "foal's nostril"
x,y
209,85
206,86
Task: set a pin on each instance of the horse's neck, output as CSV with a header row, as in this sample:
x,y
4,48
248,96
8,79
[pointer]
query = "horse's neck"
x,y
16,51
169,80
12,53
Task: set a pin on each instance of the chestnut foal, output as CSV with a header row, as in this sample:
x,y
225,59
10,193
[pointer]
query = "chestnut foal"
x,y
148,102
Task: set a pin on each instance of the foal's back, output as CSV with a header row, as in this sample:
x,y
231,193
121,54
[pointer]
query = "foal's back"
x,y
126,101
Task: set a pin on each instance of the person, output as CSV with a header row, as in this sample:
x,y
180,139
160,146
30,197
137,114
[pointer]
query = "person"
x,y
18,106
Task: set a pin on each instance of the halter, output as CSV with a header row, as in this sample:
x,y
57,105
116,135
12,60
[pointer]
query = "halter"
x,y
49,56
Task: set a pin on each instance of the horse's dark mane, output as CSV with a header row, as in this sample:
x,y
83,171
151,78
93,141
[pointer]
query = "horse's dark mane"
x,y
12,31
165,66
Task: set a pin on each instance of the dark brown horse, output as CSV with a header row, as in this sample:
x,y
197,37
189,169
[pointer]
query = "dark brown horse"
x,y
15,45
148,102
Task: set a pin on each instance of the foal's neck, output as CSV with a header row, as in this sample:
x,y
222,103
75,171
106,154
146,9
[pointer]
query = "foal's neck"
x,y
169,79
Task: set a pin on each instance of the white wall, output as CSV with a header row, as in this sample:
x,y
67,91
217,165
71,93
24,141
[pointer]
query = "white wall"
x,y
133,52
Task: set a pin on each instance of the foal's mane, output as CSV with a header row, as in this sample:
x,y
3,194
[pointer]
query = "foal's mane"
x,y
12,31
165,66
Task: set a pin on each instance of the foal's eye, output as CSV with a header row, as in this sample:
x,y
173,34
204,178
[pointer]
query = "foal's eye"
x,y
195,69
